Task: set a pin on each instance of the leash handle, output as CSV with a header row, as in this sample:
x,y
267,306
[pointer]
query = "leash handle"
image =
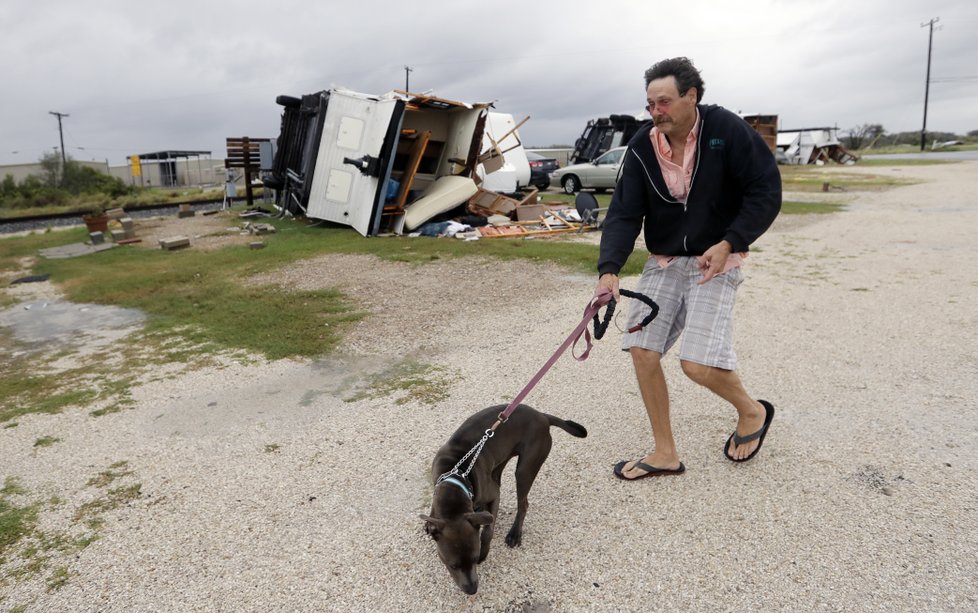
x,y
600,327
653,308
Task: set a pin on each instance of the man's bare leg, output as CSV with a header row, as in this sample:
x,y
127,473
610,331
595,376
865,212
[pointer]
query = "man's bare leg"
x,y
727,385
655,395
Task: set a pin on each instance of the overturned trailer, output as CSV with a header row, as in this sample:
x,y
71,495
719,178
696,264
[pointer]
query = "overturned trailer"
x,y
376,163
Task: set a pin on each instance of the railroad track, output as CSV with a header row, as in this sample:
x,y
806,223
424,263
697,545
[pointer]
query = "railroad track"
x,y
42,222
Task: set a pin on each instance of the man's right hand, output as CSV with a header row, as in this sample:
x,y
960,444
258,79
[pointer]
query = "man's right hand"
x,y
608,281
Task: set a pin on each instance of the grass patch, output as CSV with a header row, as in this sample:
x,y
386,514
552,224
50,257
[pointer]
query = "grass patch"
x,y
106,477
46,441
81,203
810,178
901,162
58,578
15,524
408,381
26,551
792,207
91,511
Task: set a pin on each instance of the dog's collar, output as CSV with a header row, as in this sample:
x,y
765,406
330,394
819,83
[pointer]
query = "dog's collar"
x,y
456,482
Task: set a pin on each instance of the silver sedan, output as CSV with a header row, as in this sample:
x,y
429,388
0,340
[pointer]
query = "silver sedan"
x,y
599,174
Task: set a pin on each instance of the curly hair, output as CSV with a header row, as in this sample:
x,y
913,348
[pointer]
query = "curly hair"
x,y
682,69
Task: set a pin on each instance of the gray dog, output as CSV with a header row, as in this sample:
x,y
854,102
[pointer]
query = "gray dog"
x,y
462,507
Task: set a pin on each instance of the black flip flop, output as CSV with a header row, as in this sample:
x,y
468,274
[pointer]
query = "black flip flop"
x,y
759,435
651,471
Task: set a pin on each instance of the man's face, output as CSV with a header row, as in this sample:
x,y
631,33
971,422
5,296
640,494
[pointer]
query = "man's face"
x,y
673,114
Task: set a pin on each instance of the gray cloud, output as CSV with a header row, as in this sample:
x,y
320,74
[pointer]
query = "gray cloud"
x,y
139,77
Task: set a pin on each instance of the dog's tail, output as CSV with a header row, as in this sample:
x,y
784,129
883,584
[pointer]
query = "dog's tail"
x,y
571,427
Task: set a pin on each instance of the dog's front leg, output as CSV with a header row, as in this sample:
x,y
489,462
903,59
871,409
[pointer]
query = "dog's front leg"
x,y
486,537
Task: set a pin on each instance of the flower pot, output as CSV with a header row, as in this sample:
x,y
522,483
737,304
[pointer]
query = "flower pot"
x,y
96,223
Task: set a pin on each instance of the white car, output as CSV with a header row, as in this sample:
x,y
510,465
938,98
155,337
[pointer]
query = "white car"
x,y
599,174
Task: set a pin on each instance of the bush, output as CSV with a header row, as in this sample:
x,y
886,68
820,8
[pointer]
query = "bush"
x,y
60,187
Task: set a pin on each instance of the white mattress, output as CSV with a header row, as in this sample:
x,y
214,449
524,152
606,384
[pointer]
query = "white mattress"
x,y
443,195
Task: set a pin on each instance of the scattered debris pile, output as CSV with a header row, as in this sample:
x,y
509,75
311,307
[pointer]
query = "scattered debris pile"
x,y
395,162
812,146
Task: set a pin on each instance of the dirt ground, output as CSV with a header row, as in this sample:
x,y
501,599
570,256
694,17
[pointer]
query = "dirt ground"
x,y
264,486
206,232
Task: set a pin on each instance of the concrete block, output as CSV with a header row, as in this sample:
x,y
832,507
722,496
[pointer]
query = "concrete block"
x,y
118,235
182,214
97,238
115,213
174,242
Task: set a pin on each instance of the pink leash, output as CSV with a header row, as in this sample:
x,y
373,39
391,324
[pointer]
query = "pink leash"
x,y
600,300
604,297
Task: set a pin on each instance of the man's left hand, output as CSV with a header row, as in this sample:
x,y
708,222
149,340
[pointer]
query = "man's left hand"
x,y
714,260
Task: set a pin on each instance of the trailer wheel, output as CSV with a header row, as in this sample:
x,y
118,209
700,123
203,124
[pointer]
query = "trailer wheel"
x,y
571,184
289,102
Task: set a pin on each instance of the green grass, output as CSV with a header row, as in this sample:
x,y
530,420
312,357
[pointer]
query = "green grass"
x,y
15,523
27,551
408,381
908,162
91,511
791,207
46,441
914,149
813,178
106,477
143,197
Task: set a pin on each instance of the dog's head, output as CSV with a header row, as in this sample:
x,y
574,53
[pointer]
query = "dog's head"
x,y
458,545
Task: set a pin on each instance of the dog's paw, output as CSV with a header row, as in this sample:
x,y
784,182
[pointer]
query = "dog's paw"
x,y
514,538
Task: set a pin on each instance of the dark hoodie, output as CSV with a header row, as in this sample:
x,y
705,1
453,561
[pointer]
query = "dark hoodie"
x,y
735,194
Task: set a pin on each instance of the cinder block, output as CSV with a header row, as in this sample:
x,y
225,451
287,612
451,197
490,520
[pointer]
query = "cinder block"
x,y
118,235
174,242
97,238
115,213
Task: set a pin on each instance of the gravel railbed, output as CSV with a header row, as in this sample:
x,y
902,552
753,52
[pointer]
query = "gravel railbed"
x,y
262,489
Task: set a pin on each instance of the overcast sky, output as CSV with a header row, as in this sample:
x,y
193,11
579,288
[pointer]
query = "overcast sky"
x,y
137,77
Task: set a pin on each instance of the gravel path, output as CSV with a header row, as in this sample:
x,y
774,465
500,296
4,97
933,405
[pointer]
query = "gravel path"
x,y
263,490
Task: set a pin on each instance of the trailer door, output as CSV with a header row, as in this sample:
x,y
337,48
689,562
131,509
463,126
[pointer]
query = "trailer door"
x,y
353,164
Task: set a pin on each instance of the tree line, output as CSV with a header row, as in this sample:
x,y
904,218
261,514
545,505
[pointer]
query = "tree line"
x,y
873,135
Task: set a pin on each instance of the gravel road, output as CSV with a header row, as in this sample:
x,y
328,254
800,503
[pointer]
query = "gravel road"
x,y
262,489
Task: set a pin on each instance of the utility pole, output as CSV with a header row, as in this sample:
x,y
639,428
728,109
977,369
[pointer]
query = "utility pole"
x,y
64,158
407,78
930,41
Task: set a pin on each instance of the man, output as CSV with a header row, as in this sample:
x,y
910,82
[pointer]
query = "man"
x,y
703,185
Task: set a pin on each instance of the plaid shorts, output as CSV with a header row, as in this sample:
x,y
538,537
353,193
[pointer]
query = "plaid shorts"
x,y
702,314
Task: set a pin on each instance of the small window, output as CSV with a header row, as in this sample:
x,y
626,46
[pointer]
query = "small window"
x,y
349,133
612,157
338,185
